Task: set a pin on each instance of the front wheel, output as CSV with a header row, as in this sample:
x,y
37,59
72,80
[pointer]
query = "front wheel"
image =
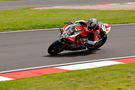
x,y
55,48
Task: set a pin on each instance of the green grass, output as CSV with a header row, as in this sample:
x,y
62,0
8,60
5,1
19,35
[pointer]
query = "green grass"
x,y
118,77
27,18
8,0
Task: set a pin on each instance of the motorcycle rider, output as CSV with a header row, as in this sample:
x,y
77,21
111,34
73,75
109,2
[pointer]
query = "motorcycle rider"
x,y
91,28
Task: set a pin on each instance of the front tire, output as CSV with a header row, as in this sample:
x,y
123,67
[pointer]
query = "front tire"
x,y
55,48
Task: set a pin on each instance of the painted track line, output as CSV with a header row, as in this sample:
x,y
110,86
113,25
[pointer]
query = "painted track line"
x,y
4,78
64,64
42,70
89,65
64,67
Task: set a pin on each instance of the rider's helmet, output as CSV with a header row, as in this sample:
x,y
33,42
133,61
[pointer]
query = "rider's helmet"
x,y
92,24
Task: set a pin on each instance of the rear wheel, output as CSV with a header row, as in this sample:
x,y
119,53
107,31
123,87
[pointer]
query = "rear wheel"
x,y
100,43
55,48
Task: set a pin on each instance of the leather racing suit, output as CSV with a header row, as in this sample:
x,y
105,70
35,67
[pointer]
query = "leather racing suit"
x,y
93,35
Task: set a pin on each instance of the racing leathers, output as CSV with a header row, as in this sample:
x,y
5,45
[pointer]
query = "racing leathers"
x,y
93,35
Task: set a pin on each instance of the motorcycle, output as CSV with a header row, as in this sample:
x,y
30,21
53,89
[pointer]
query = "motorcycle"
x,y
68,40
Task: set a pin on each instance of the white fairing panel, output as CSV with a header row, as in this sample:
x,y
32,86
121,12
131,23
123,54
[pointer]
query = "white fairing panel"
x,y
108,28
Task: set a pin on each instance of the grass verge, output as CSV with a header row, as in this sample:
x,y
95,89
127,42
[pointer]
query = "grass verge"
x,y
118,77
8,0
28,18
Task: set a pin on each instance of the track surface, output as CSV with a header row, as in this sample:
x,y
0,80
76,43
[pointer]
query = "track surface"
x,y
4,5
29,49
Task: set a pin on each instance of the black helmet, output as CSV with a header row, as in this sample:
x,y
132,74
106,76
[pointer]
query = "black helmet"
x,y
92,24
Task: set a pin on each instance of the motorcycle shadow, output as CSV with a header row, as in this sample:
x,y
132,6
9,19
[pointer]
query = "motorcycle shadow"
x,y
75,53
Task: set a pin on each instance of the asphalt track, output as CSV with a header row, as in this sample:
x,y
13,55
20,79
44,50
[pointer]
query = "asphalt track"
x,y
5,5
29,49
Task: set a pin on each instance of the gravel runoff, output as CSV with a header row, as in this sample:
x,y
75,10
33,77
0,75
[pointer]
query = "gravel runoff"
x,y
113,6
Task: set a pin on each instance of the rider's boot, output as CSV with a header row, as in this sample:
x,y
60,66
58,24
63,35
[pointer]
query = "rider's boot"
x,y
90,44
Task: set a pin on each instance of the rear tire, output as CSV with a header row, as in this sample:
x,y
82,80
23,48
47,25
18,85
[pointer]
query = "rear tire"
x,y
100,43
55,48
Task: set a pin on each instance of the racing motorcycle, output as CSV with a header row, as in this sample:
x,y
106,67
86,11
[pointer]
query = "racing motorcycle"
x,y
67,40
